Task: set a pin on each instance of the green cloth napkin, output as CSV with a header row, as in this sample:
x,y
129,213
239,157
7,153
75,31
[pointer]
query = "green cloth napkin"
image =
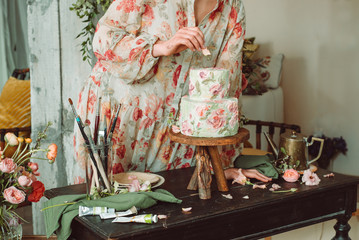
x,y
260,162
59,218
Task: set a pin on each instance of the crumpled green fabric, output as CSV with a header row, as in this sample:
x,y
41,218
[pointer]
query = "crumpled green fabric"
x,y
260,162
59,218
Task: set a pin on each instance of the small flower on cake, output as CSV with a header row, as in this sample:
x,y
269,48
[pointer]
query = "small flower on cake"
x,y
310,178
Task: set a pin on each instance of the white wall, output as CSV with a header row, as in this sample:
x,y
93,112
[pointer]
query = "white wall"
x,y
320,41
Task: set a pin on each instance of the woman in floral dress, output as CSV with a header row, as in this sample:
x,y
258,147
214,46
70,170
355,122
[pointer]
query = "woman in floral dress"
x,y
145,49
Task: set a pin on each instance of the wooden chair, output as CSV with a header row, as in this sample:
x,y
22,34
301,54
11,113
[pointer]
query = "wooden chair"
x,y
272,128
21,74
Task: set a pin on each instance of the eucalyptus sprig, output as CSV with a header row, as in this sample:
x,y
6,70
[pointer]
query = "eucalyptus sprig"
x,y
90,12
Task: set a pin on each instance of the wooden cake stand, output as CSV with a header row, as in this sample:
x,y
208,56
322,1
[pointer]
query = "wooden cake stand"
x,y
207,149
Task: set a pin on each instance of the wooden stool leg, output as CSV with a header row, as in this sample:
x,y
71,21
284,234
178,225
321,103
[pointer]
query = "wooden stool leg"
x,y
217,168
193,183
204,174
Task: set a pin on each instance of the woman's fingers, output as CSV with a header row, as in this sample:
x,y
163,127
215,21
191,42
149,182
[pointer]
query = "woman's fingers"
x,y
253,173
189,37
195,35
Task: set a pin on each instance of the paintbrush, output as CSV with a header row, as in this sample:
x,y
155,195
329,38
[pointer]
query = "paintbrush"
x,y
109,138
87,142
97,120
100,168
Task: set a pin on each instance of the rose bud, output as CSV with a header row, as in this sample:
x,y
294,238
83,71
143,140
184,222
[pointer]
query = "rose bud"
x,y
11,139
28,140
20,139
34,166
24,181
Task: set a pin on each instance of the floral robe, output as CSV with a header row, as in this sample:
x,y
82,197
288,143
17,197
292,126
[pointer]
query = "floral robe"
x,y
149,89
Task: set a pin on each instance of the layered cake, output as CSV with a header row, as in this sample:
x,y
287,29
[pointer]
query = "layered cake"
x,y
208,111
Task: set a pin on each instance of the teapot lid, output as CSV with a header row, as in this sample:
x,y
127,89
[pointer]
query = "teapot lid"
x,y
293,135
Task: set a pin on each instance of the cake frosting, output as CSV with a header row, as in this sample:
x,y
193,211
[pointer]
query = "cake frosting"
x,y
208,111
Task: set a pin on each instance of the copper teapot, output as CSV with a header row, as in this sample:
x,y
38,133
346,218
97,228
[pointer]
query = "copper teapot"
x,y
295,145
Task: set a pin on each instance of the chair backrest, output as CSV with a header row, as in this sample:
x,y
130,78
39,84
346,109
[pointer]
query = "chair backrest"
x,y
271,128
21,74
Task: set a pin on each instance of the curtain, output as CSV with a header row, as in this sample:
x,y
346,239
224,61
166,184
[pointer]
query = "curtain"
x,y
14,49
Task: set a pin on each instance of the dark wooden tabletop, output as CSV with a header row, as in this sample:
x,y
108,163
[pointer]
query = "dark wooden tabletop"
x,y
263,214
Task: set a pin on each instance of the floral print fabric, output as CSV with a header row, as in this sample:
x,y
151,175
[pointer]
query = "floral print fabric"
x,y
149,89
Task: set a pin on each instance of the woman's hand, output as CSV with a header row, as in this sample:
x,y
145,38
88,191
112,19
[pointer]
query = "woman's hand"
x,y
188,37
253,173
232,173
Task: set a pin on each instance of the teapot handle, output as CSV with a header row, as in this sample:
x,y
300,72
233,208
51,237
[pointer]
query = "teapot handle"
x,y
320,149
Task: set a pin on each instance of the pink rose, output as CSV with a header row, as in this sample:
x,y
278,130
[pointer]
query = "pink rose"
x,y
186,128
34,166
291,175
11,139
7,165
217,119
215,89
24,181
310,178
14,195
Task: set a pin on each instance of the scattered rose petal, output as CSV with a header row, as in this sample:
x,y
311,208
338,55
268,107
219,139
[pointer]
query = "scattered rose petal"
x,y
246,197
328,175
275,186
162,216
206,52
261,186
188,209
228,196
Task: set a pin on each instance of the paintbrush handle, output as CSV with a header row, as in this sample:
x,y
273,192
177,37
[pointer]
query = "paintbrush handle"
x,y
98,161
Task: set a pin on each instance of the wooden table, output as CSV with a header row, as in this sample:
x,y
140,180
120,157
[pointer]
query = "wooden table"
x,y
263,214
207,149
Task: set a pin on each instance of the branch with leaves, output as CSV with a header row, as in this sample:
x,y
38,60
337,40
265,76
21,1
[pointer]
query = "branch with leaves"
x,y
89,11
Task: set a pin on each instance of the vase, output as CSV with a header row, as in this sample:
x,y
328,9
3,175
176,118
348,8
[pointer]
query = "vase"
x,y
10,227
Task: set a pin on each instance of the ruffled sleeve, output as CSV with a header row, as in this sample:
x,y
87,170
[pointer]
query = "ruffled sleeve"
x,y
121,45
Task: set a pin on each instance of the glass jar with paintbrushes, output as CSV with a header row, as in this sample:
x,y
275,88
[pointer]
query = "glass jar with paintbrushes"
x,y
97,145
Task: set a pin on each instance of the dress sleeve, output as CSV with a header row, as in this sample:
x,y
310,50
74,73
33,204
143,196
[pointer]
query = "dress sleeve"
x,y
120,44
231,53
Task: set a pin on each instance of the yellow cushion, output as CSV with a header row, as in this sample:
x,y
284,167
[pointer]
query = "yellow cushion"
x,y
15,106
253,151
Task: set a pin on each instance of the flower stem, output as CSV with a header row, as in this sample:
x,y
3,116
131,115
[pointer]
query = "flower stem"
x,y
22,153
16,152
284,191
58,205
22,160
7,144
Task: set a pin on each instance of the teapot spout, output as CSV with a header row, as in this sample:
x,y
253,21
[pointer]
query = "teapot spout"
x,y
272,144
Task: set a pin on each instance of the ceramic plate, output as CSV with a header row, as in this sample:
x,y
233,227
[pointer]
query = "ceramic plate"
x,y
154,179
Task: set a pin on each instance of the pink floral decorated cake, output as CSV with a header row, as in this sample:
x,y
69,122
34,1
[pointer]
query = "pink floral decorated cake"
x,y
208,111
